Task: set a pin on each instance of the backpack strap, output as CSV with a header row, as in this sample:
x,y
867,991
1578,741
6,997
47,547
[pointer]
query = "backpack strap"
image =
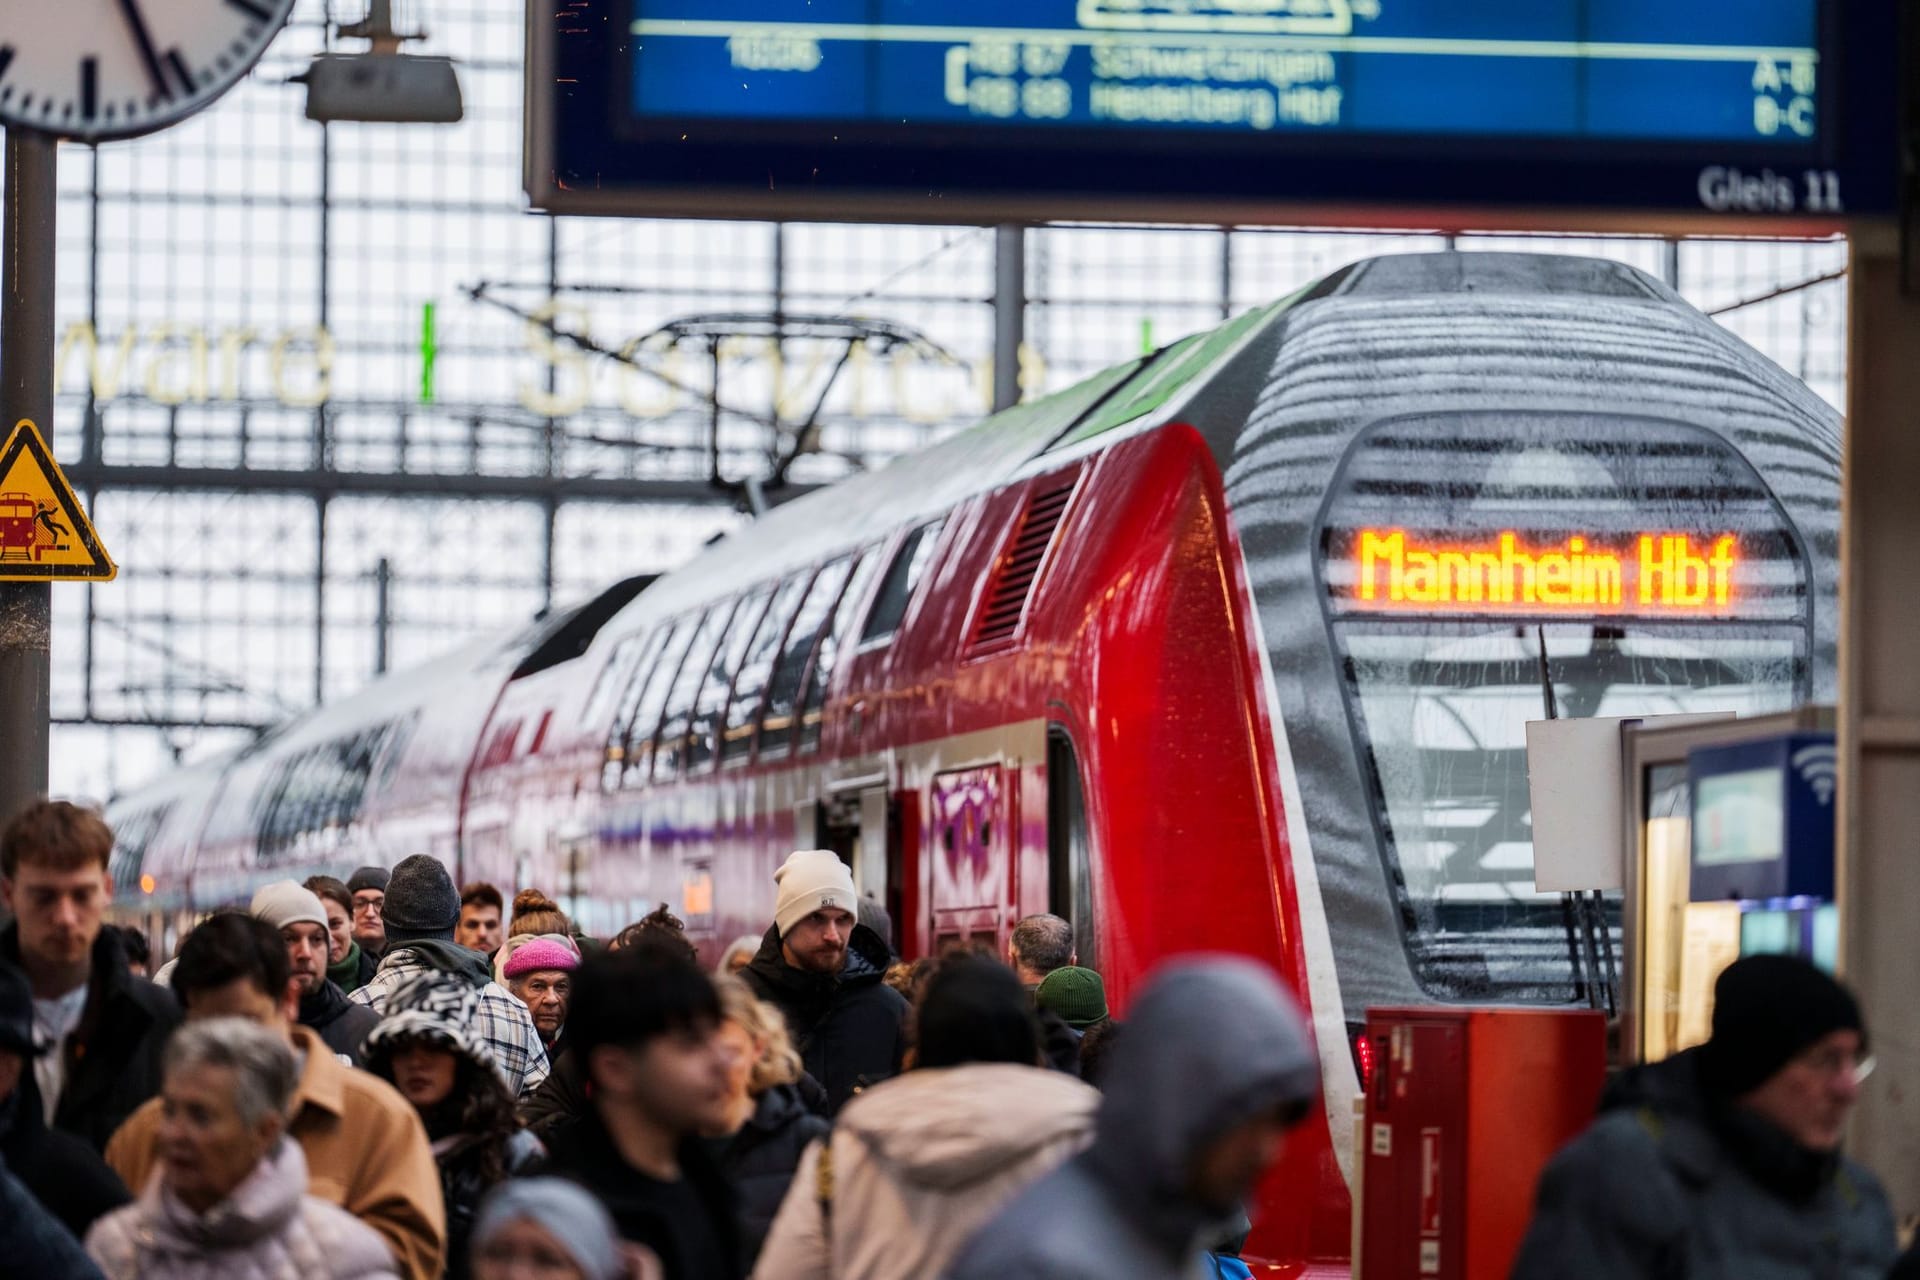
x,y
823,1185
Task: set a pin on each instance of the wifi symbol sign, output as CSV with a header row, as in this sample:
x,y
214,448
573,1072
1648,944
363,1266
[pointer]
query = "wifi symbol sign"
x,y
1819,767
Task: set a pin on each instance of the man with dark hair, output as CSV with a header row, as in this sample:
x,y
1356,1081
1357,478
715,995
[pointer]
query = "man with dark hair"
x,y
481,907
296,912
139,954
99,1029
562,1097
347,965
1039,945
826,972
365,1148
645,1023
368,885
1723,1161
422,909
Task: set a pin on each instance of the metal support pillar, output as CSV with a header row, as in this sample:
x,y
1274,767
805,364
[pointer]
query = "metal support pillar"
x,y
26,391
382,614
1009,314
1879,876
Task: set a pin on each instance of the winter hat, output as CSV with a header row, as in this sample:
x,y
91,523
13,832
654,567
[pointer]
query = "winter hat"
x,y
421,901
286,902
1076,995
811,880
577,1222
435,1007
747,945
512,945
16,1012
975,1010
368,878
541,953
1766,1010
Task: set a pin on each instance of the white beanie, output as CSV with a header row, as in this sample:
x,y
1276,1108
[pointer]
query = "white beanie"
x,y
286,902
811,880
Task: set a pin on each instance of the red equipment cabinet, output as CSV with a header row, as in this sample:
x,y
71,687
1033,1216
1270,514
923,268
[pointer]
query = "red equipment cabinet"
x,y
1464,1109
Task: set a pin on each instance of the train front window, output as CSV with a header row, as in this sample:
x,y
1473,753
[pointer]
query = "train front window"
x,y
1646,557
1442,709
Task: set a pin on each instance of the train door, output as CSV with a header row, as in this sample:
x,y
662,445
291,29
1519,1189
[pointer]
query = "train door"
x,y
971,878
1069,845
862,825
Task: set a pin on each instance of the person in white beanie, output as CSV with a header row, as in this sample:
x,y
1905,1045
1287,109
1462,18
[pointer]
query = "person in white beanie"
x,y
823,970
296,911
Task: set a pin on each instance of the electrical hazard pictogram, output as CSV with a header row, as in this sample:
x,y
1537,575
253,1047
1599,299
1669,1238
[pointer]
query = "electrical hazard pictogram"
x,y
44,534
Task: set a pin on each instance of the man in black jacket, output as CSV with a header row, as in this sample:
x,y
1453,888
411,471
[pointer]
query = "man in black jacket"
x,y
824,971
65,1175
645,1024
99,1030
297,913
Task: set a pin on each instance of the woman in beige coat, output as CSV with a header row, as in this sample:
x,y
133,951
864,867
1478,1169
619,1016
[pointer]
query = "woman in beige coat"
x,y
913,1166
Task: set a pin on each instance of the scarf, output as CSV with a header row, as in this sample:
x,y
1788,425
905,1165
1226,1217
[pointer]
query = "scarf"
x,y
347,972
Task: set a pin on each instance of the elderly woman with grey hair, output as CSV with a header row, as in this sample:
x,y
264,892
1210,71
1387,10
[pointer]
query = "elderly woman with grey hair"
x,y
229,1197
550,1227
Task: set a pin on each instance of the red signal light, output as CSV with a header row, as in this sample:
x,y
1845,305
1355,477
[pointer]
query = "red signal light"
x,y
1365,1059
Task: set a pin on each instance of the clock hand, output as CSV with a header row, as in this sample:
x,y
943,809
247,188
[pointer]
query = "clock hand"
x,y
130,10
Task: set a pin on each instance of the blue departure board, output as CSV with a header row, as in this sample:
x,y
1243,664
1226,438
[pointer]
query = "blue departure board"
x,y
963,109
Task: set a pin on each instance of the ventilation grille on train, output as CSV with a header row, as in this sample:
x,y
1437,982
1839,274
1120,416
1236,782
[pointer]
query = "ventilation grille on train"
x,y
1013,580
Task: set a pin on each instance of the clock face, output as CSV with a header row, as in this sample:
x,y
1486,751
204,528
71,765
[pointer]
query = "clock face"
x,y
95,69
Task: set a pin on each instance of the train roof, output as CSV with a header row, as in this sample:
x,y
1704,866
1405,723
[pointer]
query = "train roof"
x,y
1135,396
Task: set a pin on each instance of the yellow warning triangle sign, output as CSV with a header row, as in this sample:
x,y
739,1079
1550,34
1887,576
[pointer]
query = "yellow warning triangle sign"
x,y
44,534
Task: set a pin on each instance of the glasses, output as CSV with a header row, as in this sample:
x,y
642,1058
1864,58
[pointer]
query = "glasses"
x,y
1839,1063
366,908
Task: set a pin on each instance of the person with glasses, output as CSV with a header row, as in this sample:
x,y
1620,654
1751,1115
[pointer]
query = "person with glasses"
x,y
1724,1161
369,889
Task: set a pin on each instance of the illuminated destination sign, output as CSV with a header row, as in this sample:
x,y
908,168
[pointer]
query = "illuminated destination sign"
x,y
951,108
1655,573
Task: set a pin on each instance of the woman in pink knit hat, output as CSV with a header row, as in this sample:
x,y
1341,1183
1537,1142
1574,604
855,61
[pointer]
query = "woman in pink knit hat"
x,y
540,972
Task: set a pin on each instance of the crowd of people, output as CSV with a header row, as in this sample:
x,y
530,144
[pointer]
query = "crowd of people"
x,y
392,1075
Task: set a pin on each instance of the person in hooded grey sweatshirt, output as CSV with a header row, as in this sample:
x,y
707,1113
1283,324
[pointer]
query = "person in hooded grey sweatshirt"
x,y
1215,1068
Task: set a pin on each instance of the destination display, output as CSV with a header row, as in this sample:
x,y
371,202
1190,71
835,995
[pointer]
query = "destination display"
x,y
1654,573
1249,110
1615,69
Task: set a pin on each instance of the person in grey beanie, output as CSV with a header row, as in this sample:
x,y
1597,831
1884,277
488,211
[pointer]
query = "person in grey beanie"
x,y
550,1223
422,907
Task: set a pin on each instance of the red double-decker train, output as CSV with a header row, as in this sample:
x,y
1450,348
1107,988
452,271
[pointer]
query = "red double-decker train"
x,y
1229,648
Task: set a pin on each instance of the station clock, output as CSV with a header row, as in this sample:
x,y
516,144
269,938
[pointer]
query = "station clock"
x,y
94,70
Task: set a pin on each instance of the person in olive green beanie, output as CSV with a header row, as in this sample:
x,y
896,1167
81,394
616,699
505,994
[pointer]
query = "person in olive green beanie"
x,y
1074,995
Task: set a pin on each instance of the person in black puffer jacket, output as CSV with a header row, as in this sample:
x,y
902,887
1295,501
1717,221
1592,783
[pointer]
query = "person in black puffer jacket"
x,y
770,1119
825,973
64,1174
426,1048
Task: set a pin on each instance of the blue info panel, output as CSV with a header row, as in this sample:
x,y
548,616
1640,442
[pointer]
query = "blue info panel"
x,y
1602,69
971,109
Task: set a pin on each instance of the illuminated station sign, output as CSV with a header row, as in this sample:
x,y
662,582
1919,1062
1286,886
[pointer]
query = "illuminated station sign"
x,y
952,110
1653,573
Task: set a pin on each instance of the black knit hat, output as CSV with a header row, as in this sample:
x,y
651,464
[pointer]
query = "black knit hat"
x,y
1766,1010
368,878
975,1010
421,901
